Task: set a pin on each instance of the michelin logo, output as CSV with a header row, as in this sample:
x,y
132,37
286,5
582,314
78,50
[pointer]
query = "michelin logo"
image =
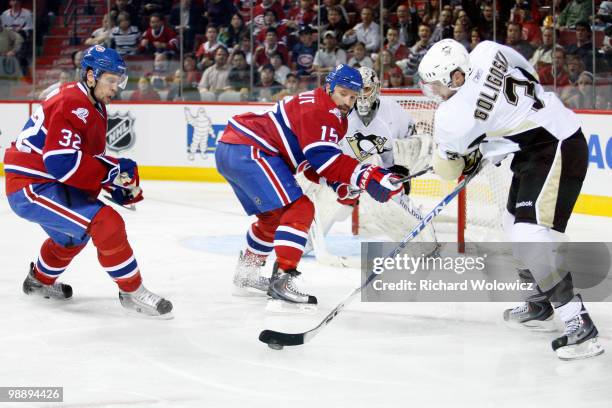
x,y
201,133
524,204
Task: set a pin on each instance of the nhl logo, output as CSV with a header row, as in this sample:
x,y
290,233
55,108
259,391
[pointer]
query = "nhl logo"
x,y
120,133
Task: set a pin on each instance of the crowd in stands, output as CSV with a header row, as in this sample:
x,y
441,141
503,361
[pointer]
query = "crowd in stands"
x,y
263,50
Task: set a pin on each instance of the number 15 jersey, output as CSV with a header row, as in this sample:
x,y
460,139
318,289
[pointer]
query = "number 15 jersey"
x,y
498,108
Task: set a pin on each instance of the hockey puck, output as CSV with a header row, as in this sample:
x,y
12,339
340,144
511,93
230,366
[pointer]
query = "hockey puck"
x,y
275,346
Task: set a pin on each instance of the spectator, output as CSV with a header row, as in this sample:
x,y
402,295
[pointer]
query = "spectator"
x,y
546,74
231,36
543,54
575,67
396,78
367,32
575,11
603,19
122,6
266,86
145,91
407,24
485,24
158,37
18,19
206,51
76,57
360,57
384,63
124,38
410,65
280,70
215,78
101,36
219,12
239,78
302,15
327,6
583,47
515,40
431,12
397,49
190,68
460,35
64,78
10,42
291,88
260,10
187,17
150,7
531,30
464,19
584,95
270,46
328,56
245,46
270,21
443,29
475,38
161,71
335,23
303,53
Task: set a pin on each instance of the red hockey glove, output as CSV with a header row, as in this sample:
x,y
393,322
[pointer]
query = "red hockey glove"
x,y
377,182
347,194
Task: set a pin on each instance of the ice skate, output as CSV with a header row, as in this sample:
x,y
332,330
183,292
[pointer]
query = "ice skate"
x,y
57,290
286,297
247,277
536,316
579,339
146,303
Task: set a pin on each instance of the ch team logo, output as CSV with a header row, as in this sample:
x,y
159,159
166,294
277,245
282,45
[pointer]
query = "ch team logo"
x,y
202,134
120,134
363,145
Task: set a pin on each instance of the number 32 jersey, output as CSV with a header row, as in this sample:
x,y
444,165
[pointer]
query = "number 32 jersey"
x,y
63,140
501,108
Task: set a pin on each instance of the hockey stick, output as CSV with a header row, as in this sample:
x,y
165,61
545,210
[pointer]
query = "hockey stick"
x,y
411,176
277,340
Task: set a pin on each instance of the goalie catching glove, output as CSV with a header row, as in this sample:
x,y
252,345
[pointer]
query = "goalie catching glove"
x,y
122,180
378,182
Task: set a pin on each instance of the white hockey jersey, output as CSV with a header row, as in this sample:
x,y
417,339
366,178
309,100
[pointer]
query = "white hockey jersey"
x,y
498,107
390,122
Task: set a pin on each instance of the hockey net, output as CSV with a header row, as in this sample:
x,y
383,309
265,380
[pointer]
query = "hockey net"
x,y
476,216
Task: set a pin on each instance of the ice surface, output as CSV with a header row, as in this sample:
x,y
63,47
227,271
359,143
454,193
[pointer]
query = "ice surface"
x,y
186,237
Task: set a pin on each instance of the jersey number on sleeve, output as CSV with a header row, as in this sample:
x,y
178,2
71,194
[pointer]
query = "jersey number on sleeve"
x,y
330,135
67,139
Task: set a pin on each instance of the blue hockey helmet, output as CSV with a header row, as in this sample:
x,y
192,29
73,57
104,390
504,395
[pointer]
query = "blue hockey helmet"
x,y
101,59
345,76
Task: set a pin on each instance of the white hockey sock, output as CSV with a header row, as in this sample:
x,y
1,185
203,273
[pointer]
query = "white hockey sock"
x,y
570,309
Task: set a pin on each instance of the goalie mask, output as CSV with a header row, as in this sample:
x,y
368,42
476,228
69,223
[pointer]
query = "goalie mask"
x,y
368,97
438,66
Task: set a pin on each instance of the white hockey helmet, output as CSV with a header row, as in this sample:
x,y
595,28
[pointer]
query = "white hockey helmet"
x,y
368,96
438,65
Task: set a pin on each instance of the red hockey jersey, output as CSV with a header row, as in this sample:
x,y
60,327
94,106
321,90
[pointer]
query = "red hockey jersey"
x,y
302,129
64,141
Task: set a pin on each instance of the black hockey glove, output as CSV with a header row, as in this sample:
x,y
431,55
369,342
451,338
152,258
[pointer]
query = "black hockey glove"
x,y
472,160
402,171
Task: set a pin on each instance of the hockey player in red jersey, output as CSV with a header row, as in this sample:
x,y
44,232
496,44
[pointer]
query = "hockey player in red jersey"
x,y
56,169
259,155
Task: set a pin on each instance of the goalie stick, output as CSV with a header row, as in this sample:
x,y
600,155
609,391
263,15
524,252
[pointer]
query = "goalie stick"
x,y
277,340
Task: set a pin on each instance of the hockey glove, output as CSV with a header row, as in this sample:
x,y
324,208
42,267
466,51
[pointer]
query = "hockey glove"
x,y
125,196
377,182
347,194
122,180
402,171
472,160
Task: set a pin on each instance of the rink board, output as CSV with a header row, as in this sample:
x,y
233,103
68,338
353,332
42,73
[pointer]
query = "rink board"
x,y
176,141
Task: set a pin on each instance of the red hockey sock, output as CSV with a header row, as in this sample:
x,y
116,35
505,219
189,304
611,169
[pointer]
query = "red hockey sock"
x,y
53,260
108,234
260,237
292,234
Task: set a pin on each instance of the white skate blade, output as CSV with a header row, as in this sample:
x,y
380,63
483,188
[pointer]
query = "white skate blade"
x,y
246,291
542,326
280,306
589,348
134,313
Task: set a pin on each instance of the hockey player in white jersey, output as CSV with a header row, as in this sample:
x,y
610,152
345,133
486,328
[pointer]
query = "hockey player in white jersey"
x,y
380,131
492,106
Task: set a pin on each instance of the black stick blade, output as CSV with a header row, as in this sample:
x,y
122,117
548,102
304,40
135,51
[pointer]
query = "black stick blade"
x,y
282,339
